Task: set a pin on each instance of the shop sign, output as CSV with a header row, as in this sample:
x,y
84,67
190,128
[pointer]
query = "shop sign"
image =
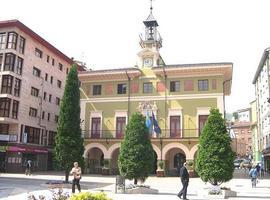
x,y
3,148
25,149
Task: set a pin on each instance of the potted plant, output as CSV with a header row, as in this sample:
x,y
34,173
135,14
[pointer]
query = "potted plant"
x,y
190,166
105,169
160,170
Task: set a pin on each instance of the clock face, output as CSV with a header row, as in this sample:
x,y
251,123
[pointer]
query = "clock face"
x,y
148,62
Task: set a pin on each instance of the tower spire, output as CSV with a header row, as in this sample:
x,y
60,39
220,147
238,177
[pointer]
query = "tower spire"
x,y
151,6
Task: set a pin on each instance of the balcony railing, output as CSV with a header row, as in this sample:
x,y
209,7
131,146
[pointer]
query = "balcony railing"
x,y
8,138
165,133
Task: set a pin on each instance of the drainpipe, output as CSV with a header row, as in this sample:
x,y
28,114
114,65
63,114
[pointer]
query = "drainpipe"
x,y
165,103
128,95
40,104
224,108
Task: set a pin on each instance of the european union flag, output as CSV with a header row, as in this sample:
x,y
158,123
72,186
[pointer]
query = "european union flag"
x,y
155,123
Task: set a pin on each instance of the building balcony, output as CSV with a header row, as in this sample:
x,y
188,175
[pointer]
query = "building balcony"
x,y
165,134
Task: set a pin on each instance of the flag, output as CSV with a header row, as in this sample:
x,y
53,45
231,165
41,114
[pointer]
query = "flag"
x,y
232,134
155,124
148,122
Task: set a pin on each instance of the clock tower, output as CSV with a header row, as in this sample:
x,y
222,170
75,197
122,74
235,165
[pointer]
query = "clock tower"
x,y
150,42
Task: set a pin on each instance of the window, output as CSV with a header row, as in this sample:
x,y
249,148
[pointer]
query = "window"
x,y
57,101
147,87
51,79
34,92
19,66
49,116
202,85
43,114
56,118
17,87
38,52
3,40
121,88
9,62
120,126
15,109
4,107
59,83
60,66
46,77
53,61
32,112
51,138
36,72
96,89
48,58
50,98
4,129
67,71
12,40
21,45
7,82
175,86
44,96
33,134
1,60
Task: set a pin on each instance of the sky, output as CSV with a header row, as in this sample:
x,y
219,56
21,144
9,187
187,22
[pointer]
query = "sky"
x,y
105,33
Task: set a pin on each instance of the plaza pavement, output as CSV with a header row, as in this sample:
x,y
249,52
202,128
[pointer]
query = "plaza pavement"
x,y
168,187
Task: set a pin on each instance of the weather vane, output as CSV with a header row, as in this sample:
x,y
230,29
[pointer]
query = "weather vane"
x,y
151,5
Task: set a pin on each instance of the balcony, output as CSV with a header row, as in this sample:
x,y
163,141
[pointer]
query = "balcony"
x,y
165,134
8,138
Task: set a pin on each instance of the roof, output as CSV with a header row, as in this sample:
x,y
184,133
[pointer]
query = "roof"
x,y
35,36
261,64
194,65
150,20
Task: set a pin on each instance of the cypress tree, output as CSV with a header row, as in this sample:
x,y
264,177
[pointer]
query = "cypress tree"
x,y
215,157
136,153
69,143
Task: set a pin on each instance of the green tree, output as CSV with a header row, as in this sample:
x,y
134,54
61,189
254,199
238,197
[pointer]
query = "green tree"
x,y
136,157
69,143
215,157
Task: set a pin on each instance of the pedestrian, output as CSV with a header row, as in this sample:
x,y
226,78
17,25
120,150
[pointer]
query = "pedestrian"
x,y
28,170
258,168
184,179
77,174
253,175
262,169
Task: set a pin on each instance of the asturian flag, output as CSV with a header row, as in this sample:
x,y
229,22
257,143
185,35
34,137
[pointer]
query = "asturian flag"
x,y
148,122
157,130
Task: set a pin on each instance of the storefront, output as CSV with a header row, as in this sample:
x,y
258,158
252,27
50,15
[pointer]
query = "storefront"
x,y
16,158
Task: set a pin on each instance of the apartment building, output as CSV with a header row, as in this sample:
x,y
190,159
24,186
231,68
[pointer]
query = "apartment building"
x,y
261,81
179,96
32,79
242,141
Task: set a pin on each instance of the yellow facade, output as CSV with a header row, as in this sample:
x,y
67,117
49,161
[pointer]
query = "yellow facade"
x,y
188,105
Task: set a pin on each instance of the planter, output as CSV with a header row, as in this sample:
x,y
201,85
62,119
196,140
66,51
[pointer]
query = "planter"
x,y
105,171
191,173
225,194
160,173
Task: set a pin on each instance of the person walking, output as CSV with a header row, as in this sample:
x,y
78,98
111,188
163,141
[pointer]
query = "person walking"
x,y
28,170
184,179
253,175
76,172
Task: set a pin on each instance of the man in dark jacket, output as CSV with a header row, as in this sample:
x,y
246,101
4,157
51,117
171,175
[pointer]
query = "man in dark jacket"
x,y
184,179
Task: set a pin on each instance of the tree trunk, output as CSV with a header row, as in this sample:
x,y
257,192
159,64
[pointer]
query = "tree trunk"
x,y
135,181
66,175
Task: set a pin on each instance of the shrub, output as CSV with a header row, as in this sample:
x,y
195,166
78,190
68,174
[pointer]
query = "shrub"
x,y
90,196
